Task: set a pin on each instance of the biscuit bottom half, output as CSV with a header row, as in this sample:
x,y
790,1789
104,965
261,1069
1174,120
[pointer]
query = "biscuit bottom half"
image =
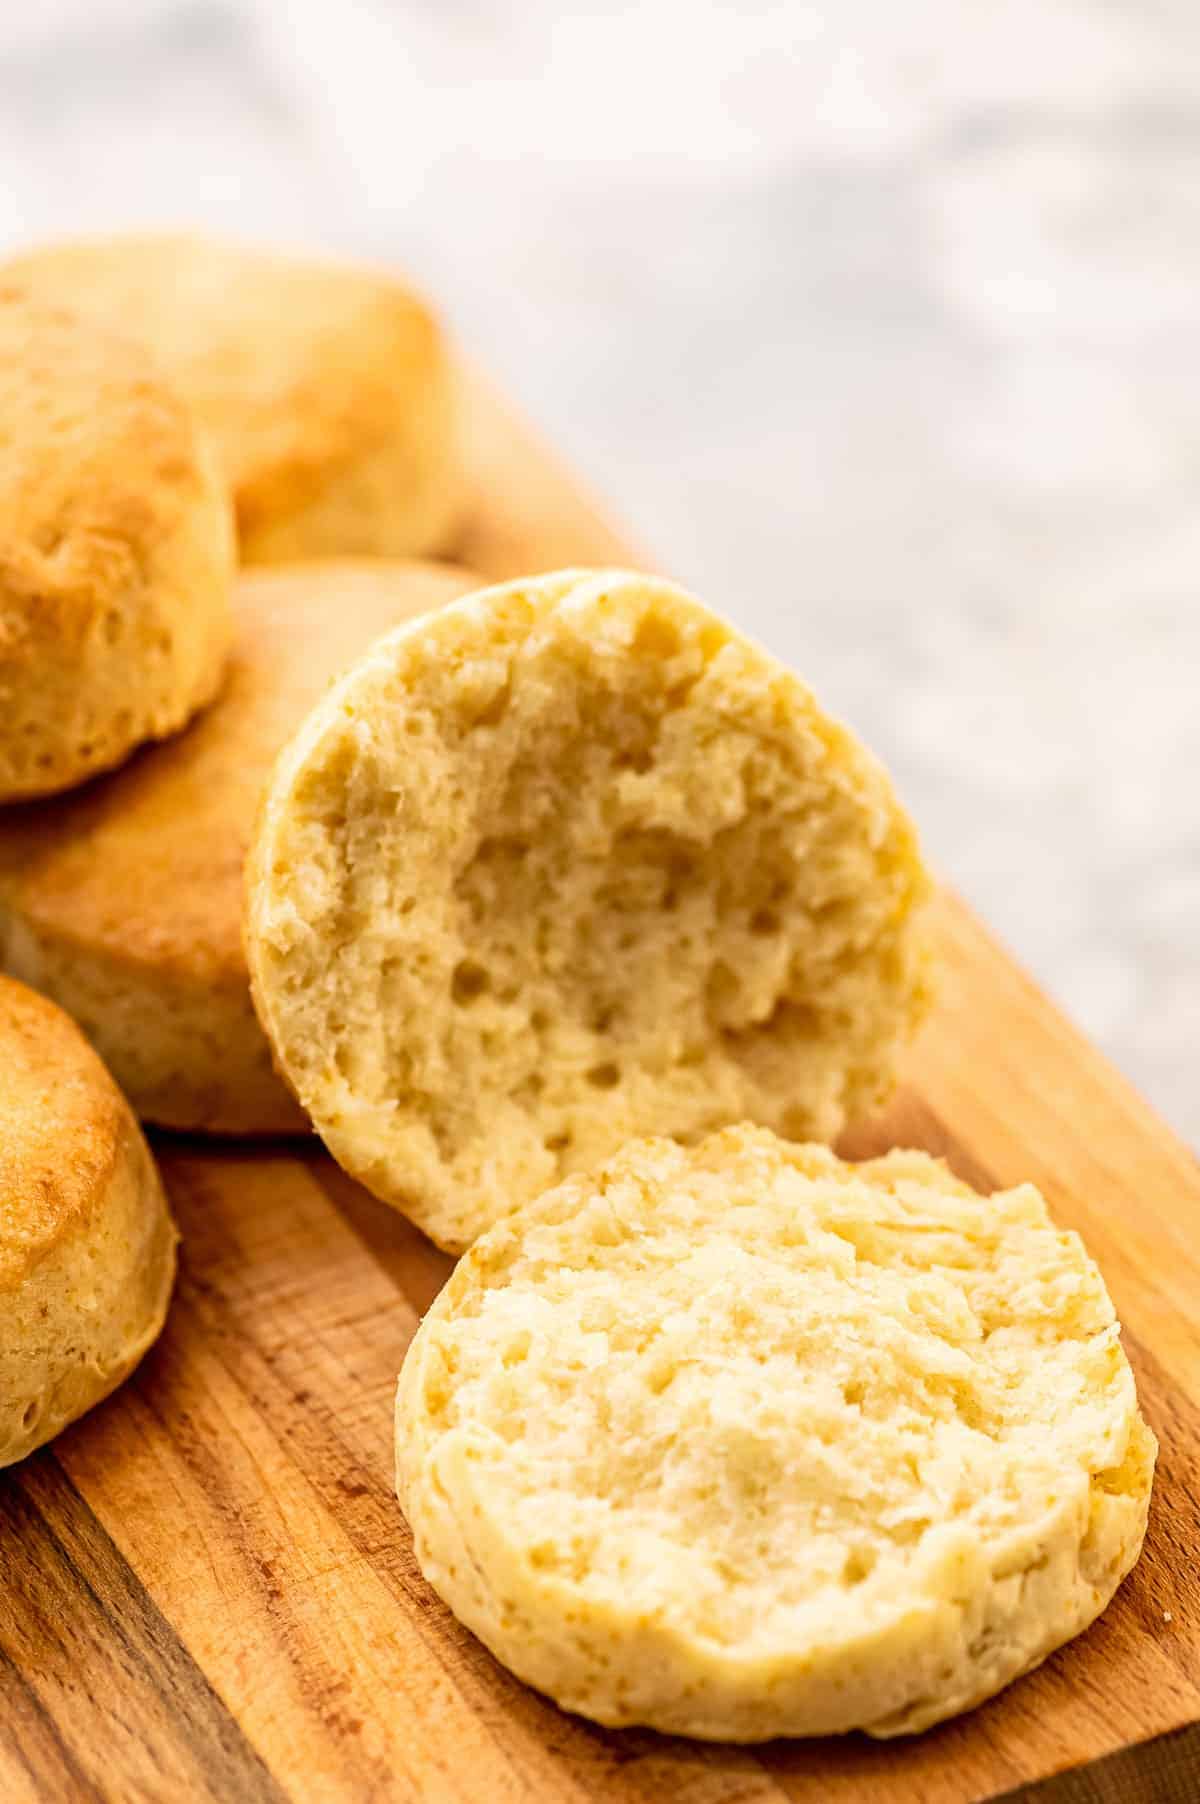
x,y
740,1441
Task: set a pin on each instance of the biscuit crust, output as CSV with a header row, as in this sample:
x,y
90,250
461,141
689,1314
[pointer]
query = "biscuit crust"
x,y
326,388
87,1245
116,552
742,1441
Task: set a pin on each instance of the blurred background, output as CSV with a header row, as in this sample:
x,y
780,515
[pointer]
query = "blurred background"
x,y
877,324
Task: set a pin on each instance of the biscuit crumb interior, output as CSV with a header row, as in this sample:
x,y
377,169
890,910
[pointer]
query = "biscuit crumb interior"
x,y
776,1407
568,873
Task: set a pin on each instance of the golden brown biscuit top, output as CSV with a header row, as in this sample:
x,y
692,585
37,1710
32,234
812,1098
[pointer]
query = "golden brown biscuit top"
x,y
62,1122
147,863
98,461
293,367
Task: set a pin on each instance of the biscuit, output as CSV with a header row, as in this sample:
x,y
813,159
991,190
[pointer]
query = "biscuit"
x,y
116,552
568,862
123,902
326,388
741,1441
87,1245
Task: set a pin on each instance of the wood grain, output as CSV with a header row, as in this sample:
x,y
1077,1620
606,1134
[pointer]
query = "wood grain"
x,y
207,1590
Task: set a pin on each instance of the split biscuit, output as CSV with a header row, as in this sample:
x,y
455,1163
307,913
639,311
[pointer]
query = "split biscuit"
x,y
568,862
742,1441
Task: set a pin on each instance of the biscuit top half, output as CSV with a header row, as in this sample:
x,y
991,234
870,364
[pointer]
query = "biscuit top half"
x,y
568,861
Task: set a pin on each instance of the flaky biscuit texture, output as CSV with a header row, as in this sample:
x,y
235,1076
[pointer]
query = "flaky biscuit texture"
x,y
568,862
741,1441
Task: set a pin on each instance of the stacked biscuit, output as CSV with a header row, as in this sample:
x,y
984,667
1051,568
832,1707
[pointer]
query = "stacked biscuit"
x,y
167,406
577,930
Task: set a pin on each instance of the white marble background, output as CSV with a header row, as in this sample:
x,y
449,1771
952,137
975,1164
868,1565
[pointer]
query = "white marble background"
x,y
879,323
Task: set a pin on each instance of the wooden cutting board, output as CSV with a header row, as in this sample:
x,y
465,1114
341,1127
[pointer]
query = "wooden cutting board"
x,y
206,1587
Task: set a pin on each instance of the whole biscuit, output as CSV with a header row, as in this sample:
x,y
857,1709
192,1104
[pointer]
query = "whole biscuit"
x,y
87,1245
740,1441
570,861
124,902
326,388
116,552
